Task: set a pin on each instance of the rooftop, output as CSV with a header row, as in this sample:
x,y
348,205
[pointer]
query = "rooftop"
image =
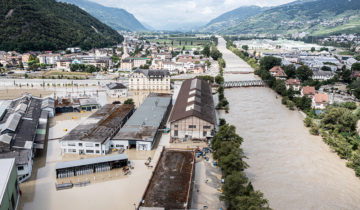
x,y
88,161
171,181
144,123
194,99
101,125
114,86
5,172
308,90
153,73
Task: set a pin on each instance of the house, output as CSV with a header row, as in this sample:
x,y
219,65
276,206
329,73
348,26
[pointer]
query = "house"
x,y
141,131
127,64
144,79
308,91
137,62
116,90
64,64
193,115
199,69
322,75
49,59
93,135
278,72
294,83
320,101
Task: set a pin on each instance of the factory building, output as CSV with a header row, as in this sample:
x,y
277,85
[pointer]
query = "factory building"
x,y
193,115
9,186
93,136
141,130
22,132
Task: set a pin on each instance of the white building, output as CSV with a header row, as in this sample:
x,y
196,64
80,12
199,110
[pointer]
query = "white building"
x,y
50,59
116,90
143,79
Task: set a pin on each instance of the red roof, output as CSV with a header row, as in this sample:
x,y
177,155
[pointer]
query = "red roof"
x,y
279,72
276,69
321,98
292,82
308,90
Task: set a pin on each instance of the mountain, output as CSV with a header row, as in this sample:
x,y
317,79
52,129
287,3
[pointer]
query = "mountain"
x,y
231,18
316,17
118,19
50,25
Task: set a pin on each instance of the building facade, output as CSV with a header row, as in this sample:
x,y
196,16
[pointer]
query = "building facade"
x,y
144,79
9,186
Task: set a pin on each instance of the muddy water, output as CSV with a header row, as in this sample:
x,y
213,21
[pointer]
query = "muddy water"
x,y
294,169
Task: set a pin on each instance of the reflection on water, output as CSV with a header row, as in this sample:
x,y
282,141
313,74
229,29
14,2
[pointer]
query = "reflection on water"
x,y
292,168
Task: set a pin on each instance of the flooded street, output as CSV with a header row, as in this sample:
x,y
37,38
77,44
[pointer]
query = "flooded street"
x,y
293,169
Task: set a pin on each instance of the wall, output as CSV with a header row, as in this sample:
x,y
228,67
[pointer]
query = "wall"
x,y
183,128
11,192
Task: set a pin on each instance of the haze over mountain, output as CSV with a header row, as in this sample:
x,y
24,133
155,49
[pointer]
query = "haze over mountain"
x,y
50,25
317,17
118,19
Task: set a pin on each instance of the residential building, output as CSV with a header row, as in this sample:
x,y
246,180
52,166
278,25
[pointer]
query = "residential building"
x,y
93,135
63,64
141,131
116,90
308,91
278,72
50,59
144,79
294,83
127,64
320,101
137,62
193,115
9,186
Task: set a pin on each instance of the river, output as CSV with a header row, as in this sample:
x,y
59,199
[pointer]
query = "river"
x,y
293,169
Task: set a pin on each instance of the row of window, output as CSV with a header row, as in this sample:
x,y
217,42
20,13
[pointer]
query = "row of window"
x,y
87,151
194,126
81,144
176,133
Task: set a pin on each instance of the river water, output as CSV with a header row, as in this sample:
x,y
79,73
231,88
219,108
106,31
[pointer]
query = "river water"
x,y
293,169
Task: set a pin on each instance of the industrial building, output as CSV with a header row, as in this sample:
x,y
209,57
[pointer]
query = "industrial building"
x,y
141,130
93,136
9,186
23,130
171,184
90,165
64,105
193,115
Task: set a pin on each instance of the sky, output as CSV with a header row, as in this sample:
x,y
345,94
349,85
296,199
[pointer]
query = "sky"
x,y
173,14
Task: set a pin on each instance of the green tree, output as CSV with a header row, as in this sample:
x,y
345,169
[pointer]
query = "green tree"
x,y
219,79
267,62
355,67
245,47
304,73
326,68
215,53
290,70
313,49
129,101
339,119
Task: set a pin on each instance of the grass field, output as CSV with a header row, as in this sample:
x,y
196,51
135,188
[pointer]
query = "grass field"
x,y
179,42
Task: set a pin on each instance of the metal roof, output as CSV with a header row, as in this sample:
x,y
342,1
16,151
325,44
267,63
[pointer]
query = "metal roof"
x,y
144,123
114,86
89,161
12,122
5,139
87,101
5,172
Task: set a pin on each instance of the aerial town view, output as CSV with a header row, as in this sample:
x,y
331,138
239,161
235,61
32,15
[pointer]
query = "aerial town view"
x,y
184,104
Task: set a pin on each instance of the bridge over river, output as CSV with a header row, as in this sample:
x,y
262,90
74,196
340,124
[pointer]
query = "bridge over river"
x,y
248,83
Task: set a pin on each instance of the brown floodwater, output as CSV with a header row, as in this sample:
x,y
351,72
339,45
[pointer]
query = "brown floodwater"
x,y
293,169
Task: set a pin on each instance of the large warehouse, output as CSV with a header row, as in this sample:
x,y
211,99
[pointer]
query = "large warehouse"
x,y
193,115
141,130
93,136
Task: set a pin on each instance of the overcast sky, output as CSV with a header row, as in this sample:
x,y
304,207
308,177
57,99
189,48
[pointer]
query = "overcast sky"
x,y
161,14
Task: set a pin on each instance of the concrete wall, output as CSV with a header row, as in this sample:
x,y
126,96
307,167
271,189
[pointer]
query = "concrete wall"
x,y
138,81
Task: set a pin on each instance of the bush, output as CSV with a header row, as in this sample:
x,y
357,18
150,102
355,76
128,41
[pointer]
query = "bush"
x,y
308,122
314,130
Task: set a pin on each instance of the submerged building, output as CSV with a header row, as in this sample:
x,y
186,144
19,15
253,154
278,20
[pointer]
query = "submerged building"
x,y
9,186
141,130
23,130
193,115
93,136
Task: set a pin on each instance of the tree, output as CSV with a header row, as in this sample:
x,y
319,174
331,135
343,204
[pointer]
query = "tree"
x,y
346,76
245,47
324,49
339,119
129,101
355,67
326,68
267,62
206,50
357,93
304,73
290,70
219,79
215,53
313,49
280,87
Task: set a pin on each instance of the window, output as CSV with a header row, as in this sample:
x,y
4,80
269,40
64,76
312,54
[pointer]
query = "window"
x,y
176,132
80,144
89,151
97,145
206,127
192,126
204,133
97,152
88,144
20,168
71,144
176,126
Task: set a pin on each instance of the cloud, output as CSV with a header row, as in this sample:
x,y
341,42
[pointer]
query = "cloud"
x,y
168,14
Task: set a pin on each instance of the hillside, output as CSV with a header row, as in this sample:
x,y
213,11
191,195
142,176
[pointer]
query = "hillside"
x,y
50,25
231,18
118,19
316,17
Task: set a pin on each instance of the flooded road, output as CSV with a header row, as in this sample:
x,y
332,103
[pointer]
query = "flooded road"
x,y
293,169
